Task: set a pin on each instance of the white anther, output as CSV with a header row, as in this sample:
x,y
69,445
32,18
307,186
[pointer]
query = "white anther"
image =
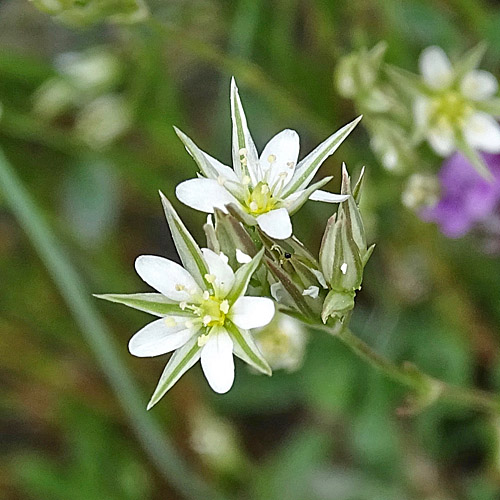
x,y
271,158
242,151
179,287
224,306
202,340
343,268
183,305
221,180
206,295
254,206
210,278
264,189
207,319
169,321
245,180
290,164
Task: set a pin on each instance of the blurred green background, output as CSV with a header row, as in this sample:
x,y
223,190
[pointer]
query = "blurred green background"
x,y
329,431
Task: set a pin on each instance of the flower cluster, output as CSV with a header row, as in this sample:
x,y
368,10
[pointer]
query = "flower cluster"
x,y
451,106
207,306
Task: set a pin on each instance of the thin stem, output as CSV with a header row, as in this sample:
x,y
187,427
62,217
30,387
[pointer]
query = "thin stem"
x,y
159,448
427,389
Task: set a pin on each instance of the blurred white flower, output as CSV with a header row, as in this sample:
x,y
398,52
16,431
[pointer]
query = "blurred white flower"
x,y
103,120
265,189
422,190
453,111
204,313
283,343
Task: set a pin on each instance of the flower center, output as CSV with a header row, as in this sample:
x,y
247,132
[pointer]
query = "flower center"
x,y
450,108
260,200
213,311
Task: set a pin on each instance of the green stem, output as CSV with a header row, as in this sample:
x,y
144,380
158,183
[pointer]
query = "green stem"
x,y
160,450
426,388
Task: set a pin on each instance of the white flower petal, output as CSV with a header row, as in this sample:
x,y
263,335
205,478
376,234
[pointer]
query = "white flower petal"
x,y
421,111
251,312
279,157
436,68
312,291
328,197
204,195
220,269
166,276
217,360
479,85
242,257
160,336
278,292
442,140
276,223
482,132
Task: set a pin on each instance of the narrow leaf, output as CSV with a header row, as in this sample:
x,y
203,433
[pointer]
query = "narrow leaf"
x,y
297,199
188,249
152,303
470,60
245,348
307,168
180,362
473,156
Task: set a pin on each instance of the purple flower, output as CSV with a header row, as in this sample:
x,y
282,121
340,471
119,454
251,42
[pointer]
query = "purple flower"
x,y
466,198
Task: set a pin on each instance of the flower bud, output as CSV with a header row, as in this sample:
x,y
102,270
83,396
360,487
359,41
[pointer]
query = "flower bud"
x,y
337,304
422,190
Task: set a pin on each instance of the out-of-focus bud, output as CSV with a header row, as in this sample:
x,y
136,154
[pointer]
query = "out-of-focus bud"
x,y
357,72
215,440
421,191
53,98
81,13
344,252
103,120
283,343
95,70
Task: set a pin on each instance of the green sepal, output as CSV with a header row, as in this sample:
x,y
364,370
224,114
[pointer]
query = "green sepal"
x,y
186,246
406,82
327,248
242,277
307,168
246,349
179,363
298,202
356,192
490,106
469,61
337,304
152,303
475,159
293,289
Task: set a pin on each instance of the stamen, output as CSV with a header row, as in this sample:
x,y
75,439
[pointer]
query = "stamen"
x,y
221,180
290,164
206,320
245,180
202,340
206,295
264,189
224,306
210,278
271,158
179,287
254,206
183,305
243,151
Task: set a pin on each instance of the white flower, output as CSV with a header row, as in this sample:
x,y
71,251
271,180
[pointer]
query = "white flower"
x,y
264,189
283,342
204,313
453,112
